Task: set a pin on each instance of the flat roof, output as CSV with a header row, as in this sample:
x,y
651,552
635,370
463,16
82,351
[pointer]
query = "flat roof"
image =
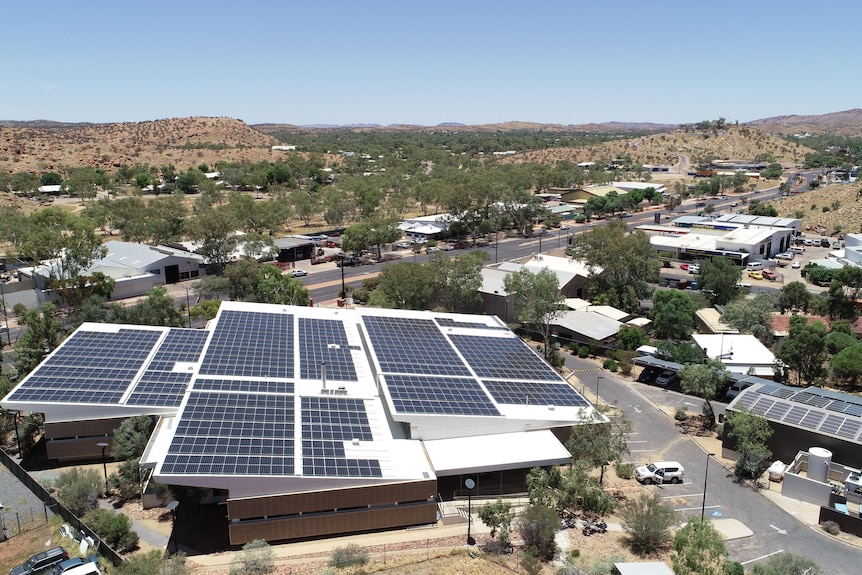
x,y
497,452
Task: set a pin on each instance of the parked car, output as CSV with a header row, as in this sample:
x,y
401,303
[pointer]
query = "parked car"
x,y
796,265
460,246
808,242
683,266
666,378
40,562
432,250
447,247
542,232
661,472
769,274
824,243
756,275
402,245
77,566
695,269
298,273
347,262
785,256
836,245
734,204
648,375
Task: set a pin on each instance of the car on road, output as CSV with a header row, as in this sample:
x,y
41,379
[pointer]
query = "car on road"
x,y
769,274
564,227
542,232
460,246
756,275
683,266
661,472
347,261
695,269
432,250
447,247
796,265
298,273
402,245
734,204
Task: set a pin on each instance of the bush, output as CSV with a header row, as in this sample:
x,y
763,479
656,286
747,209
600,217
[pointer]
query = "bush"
x,y
733,568
126,481
648,521
256,558
610,365
831,527
537,526
114,528
348,556
583,352
79,490
680,413
625,470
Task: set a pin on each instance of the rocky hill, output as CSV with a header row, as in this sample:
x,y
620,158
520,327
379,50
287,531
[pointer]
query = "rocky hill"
x,y
603,128
184,142
847,123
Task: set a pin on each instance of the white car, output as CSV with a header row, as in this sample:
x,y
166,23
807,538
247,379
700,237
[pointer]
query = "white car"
x,y
695,269
661,472
564,227
796,265
402,245
298,273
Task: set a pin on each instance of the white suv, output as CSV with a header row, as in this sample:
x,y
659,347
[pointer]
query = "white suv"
x,y
661,472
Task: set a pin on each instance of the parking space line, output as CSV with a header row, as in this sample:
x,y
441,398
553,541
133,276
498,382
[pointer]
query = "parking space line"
x,y
685,495
762,557
696,508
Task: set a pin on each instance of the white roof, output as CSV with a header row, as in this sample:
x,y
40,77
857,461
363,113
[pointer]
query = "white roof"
x,y
643,568
740,353
493,281
578,304
495,452
589,324
639,322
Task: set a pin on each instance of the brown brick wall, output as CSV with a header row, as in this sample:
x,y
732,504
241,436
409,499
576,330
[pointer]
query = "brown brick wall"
x,y
324,501
76,449
300,527
89,428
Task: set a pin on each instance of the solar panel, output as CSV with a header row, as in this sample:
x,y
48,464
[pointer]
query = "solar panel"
x,y
836,405
795,415
746,399
762,405
233,434
831,424
327,422
853,409
442,395
160,385
90,367
534,393
251,344
812,420
406,345
243,385
777,411
449,322
324,341
502,358
817,400
776,391
849,429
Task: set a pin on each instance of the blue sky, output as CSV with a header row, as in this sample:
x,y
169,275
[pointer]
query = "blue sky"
x,y
384,62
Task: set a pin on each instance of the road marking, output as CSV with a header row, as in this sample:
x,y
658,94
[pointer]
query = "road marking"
x,y
635,407
696,508
641,450
762,557
782,531
637,441
689,495
691,404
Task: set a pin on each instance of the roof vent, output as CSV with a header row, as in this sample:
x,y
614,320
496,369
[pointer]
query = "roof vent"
x,y
355,441
551,407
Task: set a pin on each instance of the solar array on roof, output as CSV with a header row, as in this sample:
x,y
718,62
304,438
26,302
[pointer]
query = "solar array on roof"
x,y
90,367
327,423
808,409
161,385
443,395
251,344
449,322
406,345
323,341
534,393
502,358
233,434
243,385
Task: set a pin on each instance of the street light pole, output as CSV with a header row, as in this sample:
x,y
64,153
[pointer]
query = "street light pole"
x,y
5,317
469,484
598,382
705,475
17,414
343,289
188,308
103,445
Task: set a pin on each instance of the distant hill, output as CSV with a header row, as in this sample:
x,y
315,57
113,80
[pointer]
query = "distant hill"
x,y
847,123
603,128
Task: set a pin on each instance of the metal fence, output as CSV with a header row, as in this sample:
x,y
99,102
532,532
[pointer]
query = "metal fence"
x,y
24,519
52,506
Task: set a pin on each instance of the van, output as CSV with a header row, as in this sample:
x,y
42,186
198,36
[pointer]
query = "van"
x,y
754,266
796,250
40,562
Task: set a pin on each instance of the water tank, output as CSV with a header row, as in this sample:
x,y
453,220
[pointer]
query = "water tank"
x,y
819,460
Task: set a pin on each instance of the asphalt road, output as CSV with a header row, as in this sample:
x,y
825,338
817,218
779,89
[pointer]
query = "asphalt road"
x,y
655,437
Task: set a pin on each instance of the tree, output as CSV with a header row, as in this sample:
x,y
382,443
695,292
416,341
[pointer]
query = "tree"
x,y
114,528
631,337
44,333
718,278
622,265
794,296
786,564
699,549
498,516
680,352
537,526
126,481
131,437
672,315
403,285
598,444
538,301
276,287
157,309
752,316
751,432
256,558
839,305
804,349
456,281
704,380
847,364
79,489
648,521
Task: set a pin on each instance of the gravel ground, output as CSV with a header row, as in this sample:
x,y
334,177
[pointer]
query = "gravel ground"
x,y
20,506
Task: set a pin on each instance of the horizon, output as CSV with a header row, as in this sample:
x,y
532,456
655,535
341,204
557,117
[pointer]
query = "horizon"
x,y
386,63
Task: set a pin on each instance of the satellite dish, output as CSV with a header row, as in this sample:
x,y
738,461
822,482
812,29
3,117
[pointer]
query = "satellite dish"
x,y
469,483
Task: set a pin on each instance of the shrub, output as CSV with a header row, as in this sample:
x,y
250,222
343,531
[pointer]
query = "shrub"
x,y
680,414
537,526
610,365
114,528
733,568
648,521
583,352
348,556
256,558
625,470
831,527
79,490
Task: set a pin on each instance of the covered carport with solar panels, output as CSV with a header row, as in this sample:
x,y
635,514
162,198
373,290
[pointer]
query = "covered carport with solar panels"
x,y
310,422
804,418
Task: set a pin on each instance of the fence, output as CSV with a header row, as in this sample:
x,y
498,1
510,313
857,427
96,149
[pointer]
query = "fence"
x,y
52,506
23,520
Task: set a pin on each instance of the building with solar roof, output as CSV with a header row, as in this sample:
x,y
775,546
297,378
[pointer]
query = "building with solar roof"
x,y
802,418
309,422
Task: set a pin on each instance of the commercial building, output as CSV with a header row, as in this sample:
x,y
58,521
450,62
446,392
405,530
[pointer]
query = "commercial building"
x,y
308,422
